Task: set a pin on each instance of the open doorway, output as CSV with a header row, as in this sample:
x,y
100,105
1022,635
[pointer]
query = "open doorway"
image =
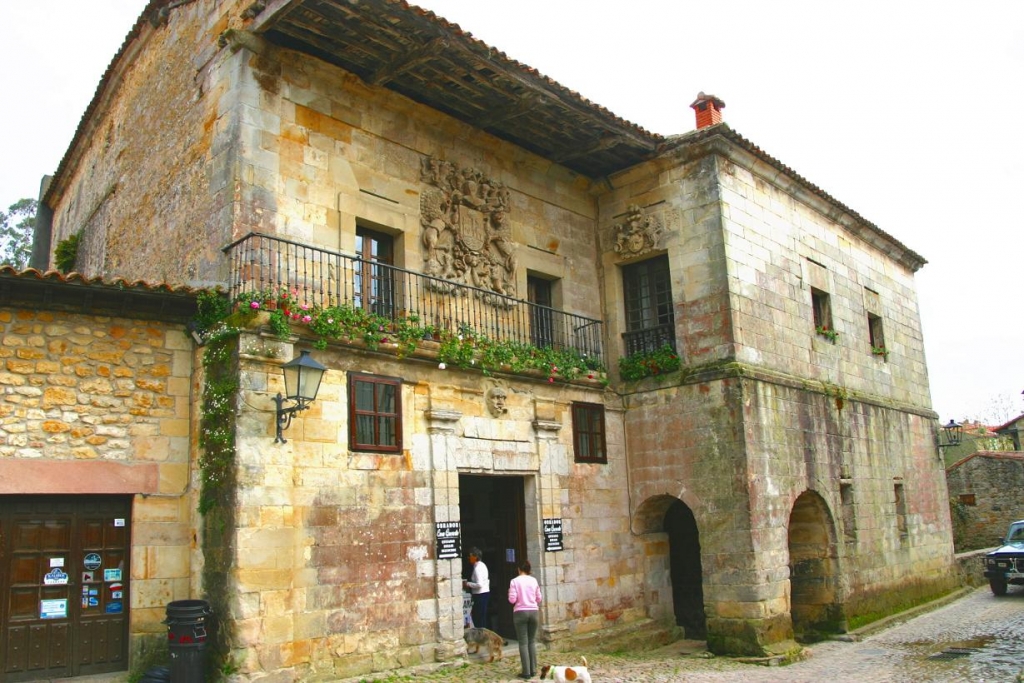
x,y
492,510
686,571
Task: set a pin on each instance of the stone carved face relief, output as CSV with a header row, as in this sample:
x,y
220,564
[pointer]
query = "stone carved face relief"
x,y
496,399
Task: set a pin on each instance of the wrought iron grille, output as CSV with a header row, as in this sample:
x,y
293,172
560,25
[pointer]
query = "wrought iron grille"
x,y
320,277
649,339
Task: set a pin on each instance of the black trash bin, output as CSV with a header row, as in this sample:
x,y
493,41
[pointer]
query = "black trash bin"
x,y
186,638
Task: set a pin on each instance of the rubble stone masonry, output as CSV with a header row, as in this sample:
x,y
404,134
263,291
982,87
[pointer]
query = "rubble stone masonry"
x,y
101,405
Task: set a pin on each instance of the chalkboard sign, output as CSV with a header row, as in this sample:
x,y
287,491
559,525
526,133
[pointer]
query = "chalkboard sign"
x,y
449,540
552,535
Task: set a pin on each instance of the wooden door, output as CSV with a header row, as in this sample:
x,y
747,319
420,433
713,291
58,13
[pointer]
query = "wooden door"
x,y
64,583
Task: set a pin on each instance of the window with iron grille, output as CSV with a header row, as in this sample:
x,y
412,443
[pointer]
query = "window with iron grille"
x,y
647,295
588,432
375,413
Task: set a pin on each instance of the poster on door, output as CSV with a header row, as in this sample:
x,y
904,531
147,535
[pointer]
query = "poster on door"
x,y
53,609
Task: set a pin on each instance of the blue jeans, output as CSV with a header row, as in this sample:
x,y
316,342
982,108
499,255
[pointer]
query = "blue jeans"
x,y
479,612
526,623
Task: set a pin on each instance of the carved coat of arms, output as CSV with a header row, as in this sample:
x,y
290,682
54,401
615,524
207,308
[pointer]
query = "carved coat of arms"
x,y
638,234
466,235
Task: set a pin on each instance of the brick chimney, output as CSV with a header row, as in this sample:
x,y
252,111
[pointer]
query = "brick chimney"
x,y
708,109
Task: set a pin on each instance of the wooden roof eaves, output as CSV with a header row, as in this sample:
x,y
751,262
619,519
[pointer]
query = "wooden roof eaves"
x,y
52,290
447,47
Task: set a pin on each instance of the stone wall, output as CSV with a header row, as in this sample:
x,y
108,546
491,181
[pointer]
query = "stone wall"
x,y
984,497
101,405
151,182
336,570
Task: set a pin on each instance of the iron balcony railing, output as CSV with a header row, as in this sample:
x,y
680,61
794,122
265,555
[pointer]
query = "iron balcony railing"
x,y
649,339
320,277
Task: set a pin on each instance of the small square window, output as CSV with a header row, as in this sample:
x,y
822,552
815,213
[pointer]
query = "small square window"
x,y
968,499
374,413
588,441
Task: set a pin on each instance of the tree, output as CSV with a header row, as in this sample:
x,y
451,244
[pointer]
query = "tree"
x,y
16,227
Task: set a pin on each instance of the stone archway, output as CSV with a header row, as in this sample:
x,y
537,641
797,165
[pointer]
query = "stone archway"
x,y
674,518
813,570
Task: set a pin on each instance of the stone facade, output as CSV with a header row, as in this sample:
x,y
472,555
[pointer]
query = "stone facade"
x,y
984,494
789,479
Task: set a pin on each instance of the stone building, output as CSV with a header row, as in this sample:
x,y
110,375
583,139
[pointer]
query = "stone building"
x,y
984,492
762,467
96,517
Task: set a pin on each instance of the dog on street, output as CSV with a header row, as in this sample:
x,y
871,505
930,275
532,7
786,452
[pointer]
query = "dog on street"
x,y
475,637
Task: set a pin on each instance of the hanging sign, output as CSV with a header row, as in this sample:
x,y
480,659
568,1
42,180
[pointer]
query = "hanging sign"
x,y
449,540
553,535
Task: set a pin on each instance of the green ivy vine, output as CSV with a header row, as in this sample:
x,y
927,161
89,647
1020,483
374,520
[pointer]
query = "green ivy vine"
x,y
217,423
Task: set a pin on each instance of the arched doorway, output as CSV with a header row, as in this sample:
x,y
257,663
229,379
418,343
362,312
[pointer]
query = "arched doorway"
x,y
813,570
685,570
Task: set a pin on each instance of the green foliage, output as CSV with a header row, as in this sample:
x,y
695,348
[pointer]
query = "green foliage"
x,y
465,349
880,351
66,253
17,226
211,308
217,424
827,332
649,363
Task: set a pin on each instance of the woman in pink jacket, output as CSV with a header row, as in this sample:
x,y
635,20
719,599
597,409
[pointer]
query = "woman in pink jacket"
x,y
524,594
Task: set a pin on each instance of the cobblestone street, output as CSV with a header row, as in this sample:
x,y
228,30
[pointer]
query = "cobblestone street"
x,y
977,638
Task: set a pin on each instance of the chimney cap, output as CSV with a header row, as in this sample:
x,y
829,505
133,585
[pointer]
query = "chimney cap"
x,y
702,98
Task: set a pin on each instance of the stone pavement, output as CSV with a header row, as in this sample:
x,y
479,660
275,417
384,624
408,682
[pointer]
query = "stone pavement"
x,y
976,638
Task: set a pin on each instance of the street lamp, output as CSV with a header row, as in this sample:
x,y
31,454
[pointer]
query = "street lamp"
x,y
302,377
954,435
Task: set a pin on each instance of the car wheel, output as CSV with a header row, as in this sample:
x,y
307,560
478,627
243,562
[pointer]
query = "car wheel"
x,y
998,586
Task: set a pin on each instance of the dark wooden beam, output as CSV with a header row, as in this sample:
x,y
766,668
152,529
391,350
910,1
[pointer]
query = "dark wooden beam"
x,y
606,141
525,104
272,12
408,60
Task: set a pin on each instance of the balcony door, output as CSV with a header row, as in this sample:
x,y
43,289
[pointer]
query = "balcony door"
x,y
542,324
374,279
647,293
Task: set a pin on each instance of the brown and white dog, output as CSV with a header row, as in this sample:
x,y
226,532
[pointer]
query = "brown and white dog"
x,y
475,637
566,674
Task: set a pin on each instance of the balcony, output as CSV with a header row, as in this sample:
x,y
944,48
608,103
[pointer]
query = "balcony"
x,y
322,278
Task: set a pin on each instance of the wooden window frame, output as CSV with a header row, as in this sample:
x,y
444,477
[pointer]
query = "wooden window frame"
x,y
353,413
377,289
594,428
648,305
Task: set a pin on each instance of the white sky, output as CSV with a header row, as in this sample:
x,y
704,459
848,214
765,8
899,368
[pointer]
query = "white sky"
x,y
911,113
